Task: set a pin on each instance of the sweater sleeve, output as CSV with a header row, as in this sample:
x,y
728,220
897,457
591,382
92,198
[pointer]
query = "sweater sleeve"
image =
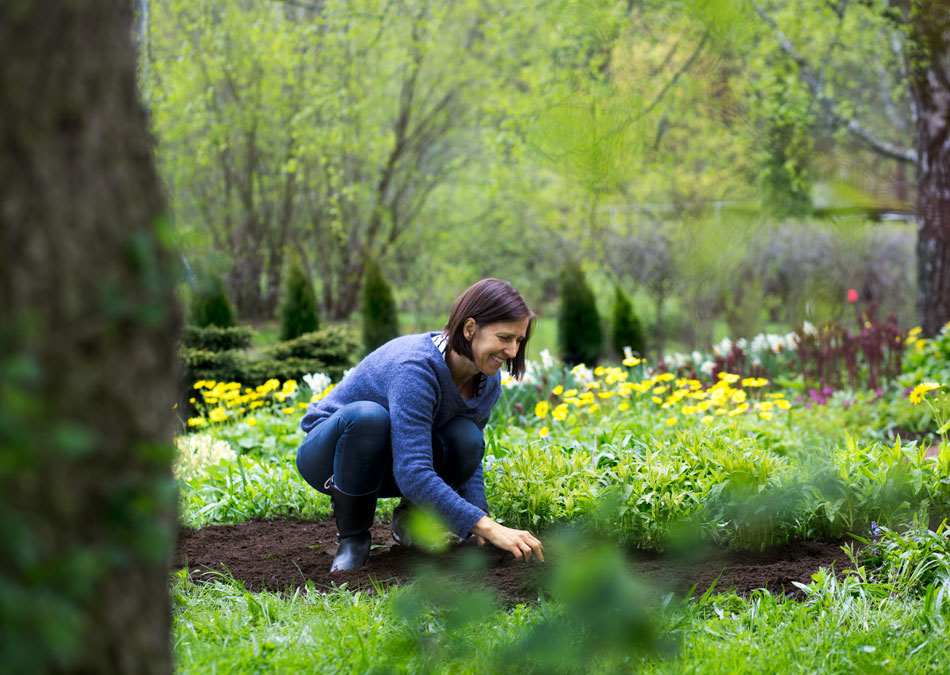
x,y
414,398
473,490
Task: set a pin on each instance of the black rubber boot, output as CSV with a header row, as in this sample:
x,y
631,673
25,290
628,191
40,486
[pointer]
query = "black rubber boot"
x,y
400,523
354,516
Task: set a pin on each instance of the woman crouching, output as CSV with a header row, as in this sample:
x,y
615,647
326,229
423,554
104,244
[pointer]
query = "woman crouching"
x,y
408,422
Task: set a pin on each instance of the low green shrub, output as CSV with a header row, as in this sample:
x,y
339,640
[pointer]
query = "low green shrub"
x,y
625,327
336,346
215,338
204,364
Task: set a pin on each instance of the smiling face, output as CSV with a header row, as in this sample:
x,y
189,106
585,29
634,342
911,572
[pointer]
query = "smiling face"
x,y
495,343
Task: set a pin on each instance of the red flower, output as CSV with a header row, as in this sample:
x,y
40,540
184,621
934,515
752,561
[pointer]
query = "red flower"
x,y
852,295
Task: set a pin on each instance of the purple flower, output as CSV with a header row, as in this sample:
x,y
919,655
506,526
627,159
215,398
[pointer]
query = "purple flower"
x,y
519,407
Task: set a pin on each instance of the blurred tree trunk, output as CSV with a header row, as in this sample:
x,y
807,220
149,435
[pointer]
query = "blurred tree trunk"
x,y
87,330
929,67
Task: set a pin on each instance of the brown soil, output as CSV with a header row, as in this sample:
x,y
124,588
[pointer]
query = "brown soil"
x,y
286,554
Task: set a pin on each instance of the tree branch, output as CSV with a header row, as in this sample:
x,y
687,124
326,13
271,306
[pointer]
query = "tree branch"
x,y
829,106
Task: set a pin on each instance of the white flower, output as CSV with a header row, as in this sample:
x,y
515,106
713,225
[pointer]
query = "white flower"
x,y
707,368
198,451
628,352
697,358
723,348
776,344
759,343
809,329
547,361
791,340
317,382
582,374
742,343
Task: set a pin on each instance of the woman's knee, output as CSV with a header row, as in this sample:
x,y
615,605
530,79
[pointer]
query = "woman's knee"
x,y
365,417
461,448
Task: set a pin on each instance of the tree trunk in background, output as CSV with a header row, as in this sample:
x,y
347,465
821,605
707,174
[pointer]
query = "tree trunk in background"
x,y
929,59
87,362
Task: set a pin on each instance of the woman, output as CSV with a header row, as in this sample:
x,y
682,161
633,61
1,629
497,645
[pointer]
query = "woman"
x,y
408,421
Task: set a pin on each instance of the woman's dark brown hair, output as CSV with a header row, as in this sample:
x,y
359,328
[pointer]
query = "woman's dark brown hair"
x,y
489,301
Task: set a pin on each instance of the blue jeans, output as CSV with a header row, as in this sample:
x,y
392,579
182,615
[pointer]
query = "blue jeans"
x,y
353,446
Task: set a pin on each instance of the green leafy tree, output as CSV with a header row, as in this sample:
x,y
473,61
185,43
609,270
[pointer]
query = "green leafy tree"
x,y
298,310
210,305
625,327
580,336
380,315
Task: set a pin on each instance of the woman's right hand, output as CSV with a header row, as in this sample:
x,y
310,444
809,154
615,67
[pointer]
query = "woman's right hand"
x,y
521,543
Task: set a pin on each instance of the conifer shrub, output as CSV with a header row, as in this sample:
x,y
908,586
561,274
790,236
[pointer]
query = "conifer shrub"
x,y
216,339
210,305
298,309
335,347
580,336
380,316
625,327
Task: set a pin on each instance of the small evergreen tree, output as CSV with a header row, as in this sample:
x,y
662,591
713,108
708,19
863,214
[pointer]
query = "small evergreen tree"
x,y
380,317
580,336
210,305
625,327
298,310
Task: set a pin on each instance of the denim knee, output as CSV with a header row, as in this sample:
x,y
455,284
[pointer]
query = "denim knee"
x,y
458,446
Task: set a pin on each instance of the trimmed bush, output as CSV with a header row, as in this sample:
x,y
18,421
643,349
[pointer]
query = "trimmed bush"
x,y
298,309
380,316
580,336
334,345
203,364
625,327
216,339
210,305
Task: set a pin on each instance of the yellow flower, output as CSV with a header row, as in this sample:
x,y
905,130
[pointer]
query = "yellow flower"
x,y
571,392
656,399
765,415
665,377
251,422
594,408
544,432
542,409
729,378
916,330
606,394
917,395
632,361
302,406
560,412
623,406
738,396
707,420
289,410
217,415
783,404
558,390
671,421
196,421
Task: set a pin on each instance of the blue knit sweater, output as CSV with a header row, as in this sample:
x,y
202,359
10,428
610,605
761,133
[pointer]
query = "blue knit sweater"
x,y
409,377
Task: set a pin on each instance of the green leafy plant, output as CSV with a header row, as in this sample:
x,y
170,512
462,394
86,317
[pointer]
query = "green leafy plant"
x,y
625,327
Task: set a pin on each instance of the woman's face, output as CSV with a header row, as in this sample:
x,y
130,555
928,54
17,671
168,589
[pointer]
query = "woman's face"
x,y
493,344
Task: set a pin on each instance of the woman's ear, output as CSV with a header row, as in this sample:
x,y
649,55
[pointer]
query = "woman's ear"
x,y
468,329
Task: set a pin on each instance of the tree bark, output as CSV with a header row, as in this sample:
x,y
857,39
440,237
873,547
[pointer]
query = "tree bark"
x,y
87,361
929,65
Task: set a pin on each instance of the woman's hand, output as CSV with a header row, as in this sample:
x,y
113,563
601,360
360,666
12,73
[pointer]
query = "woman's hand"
x,y
520,543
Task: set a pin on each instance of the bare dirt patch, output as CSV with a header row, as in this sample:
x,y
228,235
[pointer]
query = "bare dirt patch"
x,y
284,555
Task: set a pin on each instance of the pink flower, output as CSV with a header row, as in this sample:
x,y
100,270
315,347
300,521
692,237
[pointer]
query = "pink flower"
x,y
852,295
